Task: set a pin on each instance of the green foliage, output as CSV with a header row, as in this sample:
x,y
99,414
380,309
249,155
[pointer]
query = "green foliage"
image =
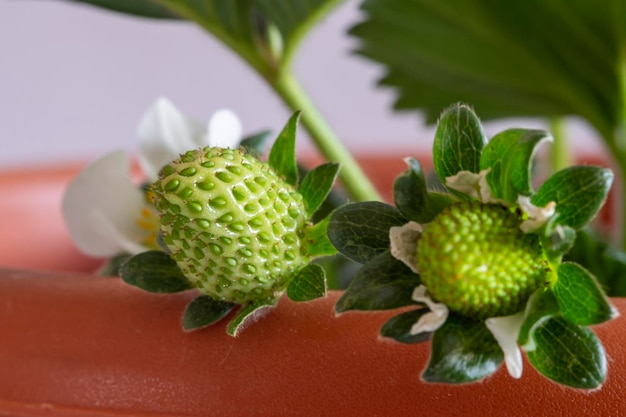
x,y
247,314
255,144
462,351
316,186
307,284
204,311
459,141
360,231
317,240
508,156
579,192
143,8
384,283
154,271
568,354
399,327
282,156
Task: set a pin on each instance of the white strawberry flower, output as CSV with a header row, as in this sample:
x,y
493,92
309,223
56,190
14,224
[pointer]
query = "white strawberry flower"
x,y
106,212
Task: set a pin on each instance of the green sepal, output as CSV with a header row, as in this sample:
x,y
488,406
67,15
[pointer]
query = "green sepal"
x,y
462,351
605,262
580,298
578,191
541,306
508,157
568,354
459,141
399,327
204,311
112,266
154,271
282,156
247,313
308,284
255,144
557,240
316,186
360,231
412,197
317,242
384,283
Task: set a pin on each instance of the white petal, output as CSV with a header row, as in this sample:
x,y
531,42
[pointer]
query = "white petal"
x,y
506,331
432,320
537,216
404,243
466,182
224,130
101,206
165,133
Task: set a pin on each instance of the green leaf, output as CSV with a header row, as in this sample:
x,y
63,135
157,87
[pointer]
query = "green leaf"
x,y
606,263
316,186
317,242
412,198
459,141
360,231
255,144
557,241
398,327
568,354
508,156
462,351
580,298
541,306
154,271
143,8
384,283
282,157
247,314
308,284
204,311
113,265
487,53
579,193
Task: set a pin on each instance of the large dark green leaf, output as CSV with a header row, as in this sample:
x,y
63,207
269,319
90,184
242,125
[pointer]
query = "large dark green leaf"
x,y
521,58
384,283
459,141
360,231
568,354
462,351
579,192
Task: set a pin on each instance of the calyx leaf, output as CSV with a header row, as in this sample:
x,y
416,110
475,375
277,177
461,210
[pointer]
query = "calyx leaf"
x,y
248,313
308,284
282,157
204,311
154,271
399,327
316,186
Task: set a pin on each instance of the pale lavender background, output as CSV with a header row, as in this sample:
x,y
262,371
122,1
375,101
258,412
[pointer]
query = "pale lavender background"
x,y
74,81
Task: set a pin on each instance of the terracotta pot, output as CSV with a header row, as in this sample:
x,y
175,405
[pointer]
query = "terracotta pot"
x,y
75,344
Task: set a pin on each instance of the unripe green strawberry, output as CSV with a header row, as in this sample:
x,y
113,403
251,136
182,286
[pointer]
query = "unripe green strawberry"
x,y
231,223
474,258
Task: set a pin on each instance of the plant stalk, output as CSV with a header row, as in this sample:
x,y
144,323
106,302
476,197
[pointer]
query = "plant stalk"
x,y
356,183
560,157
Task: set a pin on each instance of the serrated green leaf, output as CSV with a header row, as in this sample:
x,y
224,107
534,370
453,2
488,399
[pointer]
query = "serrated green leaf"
x,y
462,351
360,231
606,263
316,186
541,306
580,298
317,242
154,271
308,284
579,193
143,8
247,314
384,283
282,157
459,141
508,157
412,197
255,144
204,311
398,327
568,354
486,53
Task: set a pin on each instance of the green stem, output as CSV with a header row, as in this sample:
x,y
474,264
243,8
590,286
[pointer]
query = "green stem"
x,y
560,156
353,178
